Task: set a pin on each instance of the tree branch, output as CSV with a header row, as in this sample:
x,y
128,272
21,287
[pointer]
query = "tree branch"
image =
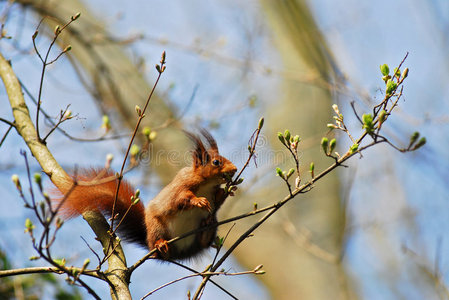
x,y
37,270
25,127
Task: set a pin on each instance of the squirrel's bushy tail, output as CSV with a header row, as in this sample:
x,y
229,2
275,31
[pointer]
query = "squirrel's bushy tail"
x,y
96,191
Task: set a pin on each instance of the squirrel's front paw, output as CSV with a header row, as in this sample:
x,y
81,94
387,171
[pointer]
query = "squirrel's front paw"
x,y
161,246
201,202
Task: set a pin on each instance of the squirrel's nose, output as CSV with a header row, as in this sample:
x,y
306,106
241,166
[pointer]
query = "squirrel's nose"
x,y
231,169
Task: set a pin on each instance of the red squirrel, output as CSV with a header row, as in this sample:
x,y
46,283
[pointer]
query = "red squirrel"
x,y
188,202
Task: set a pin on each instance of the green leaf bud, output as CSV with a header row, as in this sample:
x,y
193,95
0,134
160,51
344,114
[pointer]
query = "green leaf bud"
x,y
290,172
38,179
67,115
391,87
404,73
281,137
279,172
15,179
353,148
384,69
59,222
146,131
86,263
414,137
332,145
76,16
67,48
296,139
60,262
261,121
325,144
218,242
397,72
382,116
336,109
138,110
367,120
152,135
287,135
106,123
258,268
29,226
163,57
422,141
134,150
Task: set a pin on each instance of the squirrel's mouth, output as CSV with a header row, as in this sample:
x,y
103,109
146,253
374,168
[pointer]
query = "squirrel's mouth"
x,y
227,176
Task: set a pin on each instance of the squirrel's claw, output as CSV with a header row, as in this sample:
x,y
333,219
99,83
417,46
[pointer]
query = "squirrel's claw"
x,y
201,202
161,245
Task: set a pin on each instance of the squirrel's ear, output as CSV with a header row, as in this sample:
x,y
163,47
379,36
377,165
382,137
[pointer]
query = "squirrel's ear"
x,y
200,155
210,139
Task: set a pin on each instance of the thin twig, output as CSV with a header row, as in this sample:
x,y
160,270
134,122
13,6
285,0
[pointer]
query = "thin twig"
x,y
92,250
211,281
305,187
251,154
141,114
6,134
103,137
207,273
45,63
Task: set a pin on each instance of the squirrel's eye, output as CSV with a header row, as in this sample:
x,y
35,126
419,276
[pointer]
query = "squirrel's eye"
x,y
216,162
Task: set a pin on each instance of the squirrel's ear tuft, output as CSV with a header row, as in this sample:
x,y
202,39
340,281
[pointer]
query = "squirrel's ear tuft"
x,y
200,155
210,139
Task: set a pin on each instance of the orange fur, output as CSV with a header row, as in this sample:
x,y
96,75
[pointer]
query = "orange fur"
x,y
187,203
96,191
